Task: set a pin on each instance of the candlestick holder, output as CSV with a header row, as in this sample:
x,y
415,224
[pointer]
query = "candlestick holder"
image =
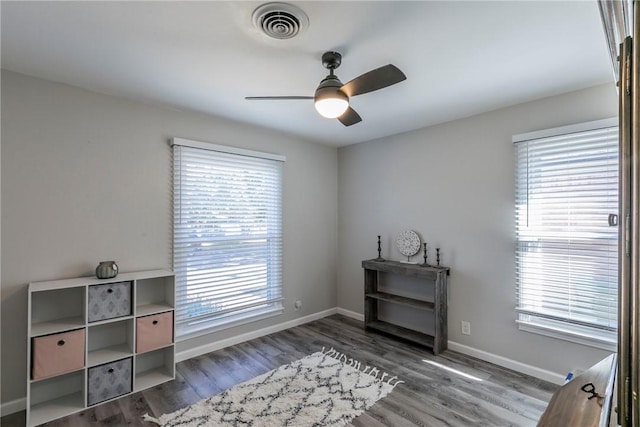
x,y
379,251
424,264
438,257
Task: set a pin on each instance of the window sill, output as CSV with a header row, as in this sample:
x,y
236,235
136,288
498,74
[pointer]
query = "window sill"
x,y
561,334
212,326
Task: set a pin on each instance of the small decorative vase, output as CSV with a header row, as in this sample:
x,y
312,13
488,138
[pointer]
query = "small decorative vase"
x,y
107,270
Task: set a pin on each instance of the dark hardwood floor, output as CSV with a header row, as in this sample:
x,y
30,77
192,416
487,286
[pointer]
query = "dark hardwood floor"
x,y
446,390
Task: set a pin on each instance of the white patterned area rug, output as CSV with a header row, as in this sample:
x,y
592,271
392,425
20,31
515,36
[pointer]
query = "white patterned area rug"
x,y
324,389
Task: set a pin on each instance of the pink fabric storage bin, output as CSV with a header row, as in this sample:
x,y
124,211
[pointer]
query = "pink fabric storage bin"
x,y
57,354
154,331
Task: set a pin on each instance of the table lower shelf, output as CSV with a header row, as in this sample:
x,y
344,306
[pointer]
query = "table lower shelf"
x,y
397,299
401,332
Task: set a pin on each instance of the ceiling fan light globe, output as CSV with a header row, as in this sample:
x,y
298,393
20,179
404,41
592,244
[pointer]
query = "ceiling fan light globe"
x,y
331,107
329,100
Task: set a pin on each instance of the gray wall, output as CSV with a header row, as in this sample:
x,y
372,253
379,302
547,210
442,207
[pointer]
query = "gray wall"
x,y
87,177
453,183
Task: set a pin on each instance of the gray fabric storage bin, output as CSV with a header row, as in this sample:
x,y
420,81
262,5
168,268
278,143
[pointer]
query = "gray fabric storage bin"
x,y
109,380
109,301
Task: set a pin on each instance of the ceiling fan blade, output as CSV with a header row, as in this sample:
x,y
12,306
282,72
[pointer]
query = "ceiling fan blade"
x,y
350,117
272,98
373,80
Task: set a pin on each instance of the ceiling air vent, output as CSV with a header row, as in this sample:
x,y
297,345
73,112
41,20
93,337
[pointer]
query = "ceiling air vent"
x,y
280,20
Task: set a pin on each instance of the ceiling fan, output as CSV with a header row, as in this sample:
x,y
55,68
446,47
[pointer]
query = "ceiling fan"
x,y
332,97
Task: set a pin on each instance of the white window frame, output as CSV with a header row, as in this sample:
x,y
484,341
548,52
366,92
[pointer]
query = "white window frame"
x,y
540,320
222,157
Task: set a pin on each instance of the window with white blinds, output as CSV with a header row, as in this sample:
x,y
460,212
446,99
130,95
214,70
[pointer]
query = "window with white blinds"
x,y
227,235
566,250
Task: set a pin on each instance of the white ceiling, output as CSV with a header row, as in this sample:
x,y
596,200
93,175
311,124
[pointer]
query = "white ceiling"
x,y
460,58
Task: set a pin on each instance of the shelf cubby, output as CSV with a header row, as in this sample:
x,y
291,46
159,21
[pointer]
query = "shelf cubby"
x,y
109,341
56,397
154,295
153,368
57,310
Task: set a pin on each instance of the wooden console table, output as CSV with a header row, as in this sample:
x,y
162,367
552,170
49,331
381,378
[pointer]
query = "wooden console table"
x,y
435,277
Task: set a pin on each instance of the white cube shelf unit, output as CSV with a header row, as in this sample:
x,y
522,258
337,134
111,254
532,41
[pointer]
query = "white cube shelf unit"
x,y
85,327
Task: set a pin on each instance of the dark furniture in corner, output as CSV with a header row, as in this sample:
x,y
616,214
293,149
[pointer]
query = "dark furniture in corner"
x,y
435,277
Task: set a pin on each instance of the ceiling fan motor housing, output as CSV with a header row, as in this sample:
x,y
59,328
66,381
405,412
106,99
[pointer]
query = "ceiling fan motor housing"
x,y
329,87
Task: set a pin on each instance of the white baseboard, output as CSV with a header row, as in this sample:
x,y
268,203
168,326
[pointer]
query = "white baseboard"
x,y
351,314
534,371
13,406
217,345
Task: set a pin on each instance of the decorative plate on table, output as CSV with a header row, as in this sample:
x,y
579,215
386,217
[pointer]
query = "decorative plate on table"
x,y
408,242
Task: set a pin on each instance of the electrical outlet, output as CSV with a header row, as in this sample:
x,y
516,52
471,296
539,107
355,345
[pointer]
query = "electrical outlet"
x,y
466,328
297,305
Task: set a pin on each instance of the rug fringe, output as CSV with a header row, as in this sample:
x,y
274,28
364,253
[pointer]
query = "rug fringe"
x,y
374,372
397,382
149,418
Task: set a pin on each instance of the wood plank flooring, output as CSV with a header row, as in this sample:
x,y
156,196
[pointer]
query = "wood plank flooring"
x,y
446,390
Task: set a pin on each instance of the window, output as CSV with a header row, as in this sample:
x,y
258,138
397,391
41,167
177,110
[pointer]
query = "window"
x,y
227,235
566,251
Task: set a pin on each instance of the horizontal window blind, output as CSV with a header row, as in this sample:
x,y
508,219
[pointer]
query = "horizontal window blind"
x,y
227,236
566,251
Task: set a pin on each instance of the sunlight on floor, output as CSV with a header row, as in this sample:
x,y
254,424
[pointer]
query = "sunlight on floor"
x,y
455,371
